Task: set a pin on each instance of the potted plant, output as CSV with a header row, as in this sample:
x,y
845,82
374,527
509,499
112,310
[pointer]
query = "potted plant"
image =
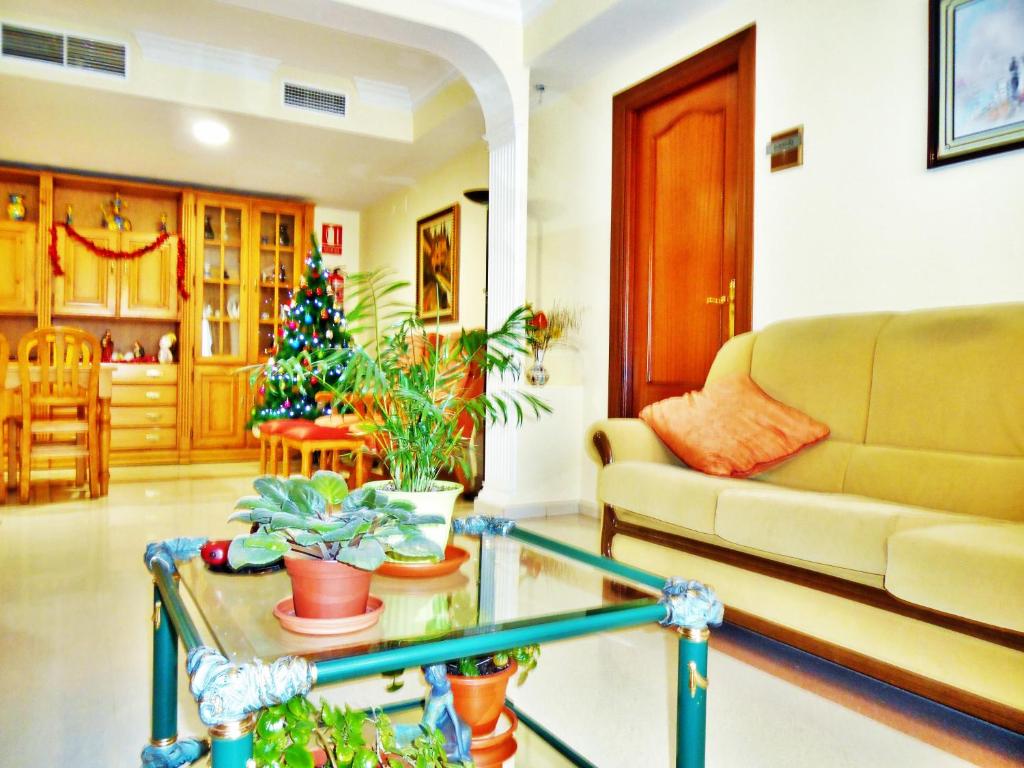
x,y
479,684
299,734
408,384
336,538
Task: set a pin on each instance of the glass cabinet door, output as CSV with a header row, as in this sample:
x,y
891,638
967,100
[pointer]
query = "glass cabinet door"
x,y
279,258
220,332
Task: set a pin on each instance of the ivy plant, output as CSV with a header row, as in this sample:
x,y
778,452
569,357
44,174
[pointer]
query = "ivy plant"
x,y
287,734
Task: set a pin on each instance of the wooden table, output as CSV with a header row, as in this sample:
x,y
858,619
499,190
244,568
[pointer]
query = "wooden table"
x,y
13,384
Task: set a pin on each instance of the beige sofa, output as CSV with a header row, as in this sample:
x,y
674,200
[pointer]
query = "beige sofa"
x,y
896,546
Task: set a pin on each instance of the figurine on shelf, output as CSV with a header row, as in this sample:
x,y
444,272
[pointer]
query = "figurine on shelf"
x,y
106,347
226,275
114,217
208,229
233,308
282,274
283,238
138,352
166,353
162,226
16,206
69,217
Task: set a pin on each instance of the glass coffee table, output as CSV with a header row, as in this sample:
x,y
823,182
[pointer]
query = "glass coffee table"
x,y
516,588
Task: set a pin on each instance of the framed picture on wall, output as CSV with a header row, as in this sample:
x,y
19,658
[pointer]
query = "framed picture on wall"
x,y
437,265
975,79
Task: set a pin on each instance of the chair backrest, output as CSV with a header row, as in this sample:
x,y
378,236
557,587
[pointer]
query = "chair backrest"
x,y
59,366
5,354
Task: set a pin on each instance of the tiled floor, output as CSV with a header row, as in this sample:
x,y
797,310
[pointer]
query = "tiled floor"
x,y
75,655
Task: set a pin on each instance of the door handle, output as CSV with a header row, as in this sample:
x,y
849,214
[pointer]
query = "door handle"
x,y
729,299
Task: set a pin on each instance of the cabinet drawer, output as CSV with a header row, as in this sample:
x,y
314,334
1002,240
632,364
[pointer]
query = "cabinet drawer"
x,y
152,437
141,394
152,373
139,416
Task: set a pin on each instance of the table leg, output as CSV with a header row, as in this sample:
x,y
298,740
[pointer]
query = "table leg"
x,y
104,446
232,743
691,698
165,674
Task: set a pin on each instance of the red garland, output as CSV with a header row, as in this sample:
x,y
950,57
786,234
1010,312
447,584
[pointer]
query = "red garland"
x,y
106,253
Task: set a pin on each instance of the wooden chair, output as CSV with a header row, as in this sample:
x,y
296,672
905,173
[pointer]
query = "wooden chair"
x,y
270,442
5,412
54,362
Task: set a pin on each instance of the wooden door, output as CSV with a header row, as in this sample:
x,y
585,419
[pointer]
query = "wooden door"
x,y
219,417
88,286
18,266
682,213
149,284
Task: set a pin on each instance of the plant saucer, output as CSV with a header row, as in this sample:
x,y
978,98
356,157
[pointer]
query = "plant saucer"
x,y
454,557
503,730
284,612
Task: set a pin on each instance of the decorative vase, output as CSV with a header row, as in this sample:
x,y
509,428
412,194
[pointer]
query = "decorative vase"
x,y
325,589
16,206
437,502
537,374
208,230
480,700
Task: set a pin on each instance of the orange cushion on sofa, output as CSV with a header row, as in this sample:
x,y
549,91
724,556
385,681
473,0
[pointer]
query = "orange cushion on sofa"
x,y
732,428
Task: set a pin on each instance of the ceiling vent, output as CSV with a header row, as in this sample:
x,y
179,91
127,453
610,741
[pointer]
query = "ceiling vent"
x,y
64,50
314,99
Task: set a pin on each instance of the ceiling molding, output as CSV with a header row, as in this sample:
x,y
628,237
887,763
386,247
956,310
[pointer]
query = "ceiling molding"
x,y
533,8
436,87
209,58
507,10
385,95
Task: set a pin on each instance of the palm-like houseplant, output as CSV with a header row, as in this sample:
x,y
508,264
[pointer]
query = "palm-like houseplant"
x,y
408,384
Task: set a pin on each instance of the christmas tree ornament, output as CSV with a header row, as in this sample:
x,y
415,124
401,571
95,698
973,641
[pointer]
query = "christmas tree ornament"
x,y
323,314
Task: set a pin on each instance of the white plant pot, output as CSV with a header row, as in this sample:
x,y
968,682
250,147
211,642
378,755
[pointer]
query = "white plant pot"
x,y
440,502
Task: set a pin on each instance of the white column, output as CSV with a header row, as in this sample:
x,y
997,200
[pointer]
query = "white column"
x,y
506,290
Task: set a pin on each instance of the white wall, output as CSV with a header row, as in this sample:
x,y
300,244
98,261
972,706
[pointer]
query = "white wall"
x,y
350,221
861,226
389,230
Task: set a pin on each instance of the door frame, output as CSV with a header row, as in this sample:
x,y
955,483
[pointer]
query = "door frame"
x,y
736,52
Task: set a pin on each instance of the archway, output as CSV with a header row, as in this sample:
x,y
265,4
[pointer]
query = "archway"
x,y
490,58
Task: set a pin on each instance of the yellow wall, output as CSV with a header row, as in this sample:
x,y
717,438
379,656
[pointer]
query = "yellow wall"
x,y
861,226
388,230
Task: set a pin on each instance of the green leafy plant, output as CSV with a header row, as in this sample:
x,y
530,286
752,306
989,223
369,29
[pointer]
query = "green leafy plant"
x,y
287,734
491,663
408,383
319,517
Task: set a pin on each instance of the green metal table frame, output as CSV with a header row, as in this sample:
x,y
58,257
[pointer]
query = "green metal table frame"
x,y
230,696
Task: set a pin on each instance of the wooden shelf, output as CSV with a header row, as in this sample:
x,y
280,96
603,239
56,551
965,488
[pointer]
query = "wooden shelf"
x,y
275,285
269,322
221,319
225,243
221,281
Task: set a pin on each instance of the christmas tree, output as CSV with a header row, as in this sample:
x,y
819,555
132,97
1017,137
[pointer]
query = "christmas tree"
x,y
312,327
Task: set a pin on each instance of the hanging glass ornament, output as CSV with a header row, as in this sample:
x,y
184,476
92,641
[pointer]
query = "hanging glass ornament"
x,y
323,314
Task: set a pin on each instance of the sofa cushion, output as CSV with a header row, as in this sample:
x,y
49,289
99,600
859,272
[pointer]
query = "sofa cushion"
x,y
670,494
731,428
975,571
823,528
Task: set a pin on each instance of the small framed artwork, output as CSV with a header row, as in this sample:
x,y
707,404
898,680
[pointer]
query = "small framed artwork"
x,y
437,265
975,79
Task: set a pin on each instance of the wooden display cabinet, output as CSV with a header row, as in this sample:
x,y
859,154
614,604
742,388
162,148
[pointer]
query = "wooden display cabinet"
x,y
240,270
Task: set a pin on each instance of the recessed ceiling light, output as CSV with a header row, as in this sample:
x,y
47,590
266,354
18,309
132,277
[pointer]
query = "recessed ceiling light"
x,y
211,132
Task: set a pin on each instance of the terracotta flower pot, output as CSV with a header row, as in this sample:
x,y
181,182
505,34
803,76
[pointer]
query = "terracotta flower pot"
x,y
325,589
479,700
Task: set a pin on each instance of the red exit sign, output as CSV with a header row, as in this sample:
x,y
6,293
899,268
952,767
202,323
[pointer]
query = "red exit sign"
x,y
330,239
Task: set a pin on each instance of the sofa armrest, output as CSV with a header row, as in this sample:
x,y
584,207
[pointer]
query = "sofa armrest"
x,y
611,440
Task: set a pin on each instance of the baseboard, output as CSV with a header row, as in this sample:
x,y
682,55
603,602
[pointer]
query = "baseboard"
x,y
531,509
